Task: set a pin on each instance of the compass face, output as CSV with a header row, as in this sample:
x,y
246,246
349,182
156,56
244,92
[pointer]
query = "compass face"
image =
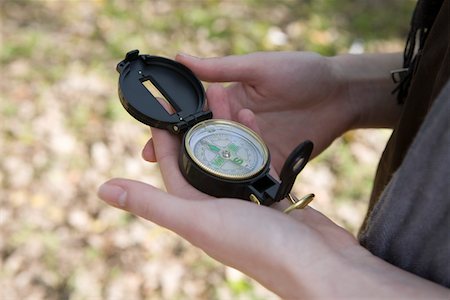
x,y
226,149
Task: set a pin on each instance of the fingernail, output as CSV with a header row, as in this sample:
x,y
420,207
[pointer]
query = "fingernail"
x,y
186,55
113,194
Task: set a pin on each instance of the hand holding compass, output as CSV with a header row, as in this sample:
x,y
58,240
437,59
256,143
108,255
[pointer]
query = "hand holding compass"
x,y
219,157
285,254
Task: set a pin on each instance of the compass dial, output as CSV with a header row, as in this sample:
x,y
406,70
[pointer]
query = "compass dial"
x,y
226,149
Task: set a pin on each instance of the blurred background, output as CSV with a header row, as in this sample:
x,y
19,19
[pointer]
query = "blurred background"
x,y
63,132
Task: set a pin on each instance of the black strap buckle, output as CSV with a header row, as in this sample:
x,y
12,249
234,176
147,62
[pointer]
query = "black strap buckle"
x,y
397,75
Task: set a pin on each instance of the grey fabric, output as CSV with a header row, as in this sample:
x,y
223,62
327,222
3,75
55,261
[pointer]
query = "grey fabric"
x,y
410,225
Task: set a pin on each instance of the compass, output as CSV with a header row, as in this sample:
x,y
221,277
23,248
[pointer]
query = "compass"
x,y
219,157
226,149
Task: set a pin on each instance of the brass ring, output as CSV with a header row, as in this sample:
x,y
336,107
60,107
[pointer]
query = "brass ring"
x,y
298,204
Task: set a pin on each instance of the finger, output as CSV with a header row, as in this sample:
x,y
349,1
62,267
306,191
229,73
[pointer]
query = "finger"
x,y
149,202
167,151
166,105
218,102
228,230
248,118
197,221
222,69
148,152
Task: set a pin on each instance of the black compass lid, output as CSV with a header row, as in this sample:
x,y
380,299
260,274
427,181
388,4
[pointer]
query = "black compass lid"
x,y
143,78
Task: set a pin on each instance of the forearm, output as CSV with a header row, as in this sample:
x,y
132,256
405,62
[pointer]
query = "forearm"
x,y
367,85
369,276
360,275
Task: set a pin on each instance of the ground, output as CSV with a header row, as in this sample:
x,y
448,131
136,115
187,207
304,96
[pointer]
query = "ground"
x,y
63,132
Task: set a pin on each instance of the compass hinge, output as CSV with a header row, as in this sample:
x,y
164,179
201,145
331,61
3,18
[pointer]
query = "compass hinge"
x,y
131,55
189,121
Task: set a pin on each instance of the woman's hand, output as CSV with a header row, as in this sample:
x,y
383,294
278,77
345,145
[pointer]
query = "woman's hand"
x,y
287,97
293,96
266,244
300,255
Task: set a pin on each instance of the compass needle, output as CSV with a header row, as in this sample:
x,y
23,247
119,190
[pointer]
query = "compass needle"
x,y
213,148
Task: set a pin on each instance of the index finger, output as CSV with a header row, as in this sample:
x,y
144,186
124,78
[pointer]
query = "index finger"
x,y
222,69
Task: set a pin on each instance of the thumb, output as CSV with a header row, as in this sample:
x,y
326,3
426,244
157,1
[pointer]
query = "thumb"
x,y
222,69
217,226
194,220
226,229
150,203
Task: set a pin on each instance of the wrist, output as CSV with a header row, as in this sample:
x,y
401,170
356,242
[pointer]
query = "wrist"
x,y
366,88
328,276
356,273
